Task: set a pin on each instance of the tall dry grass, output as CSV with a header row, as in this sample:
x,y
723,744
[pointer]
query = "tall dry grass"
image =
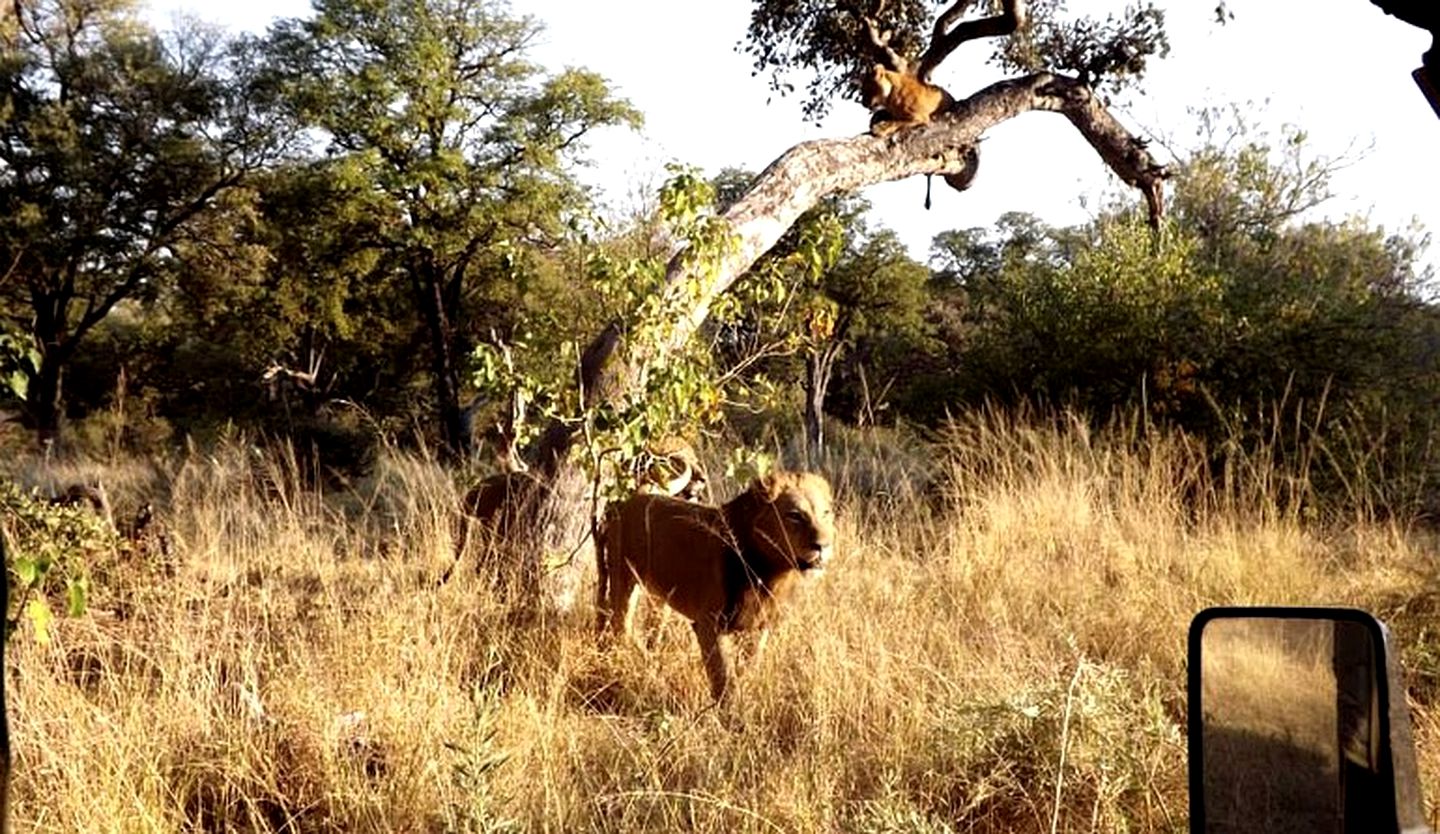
x,y
999,647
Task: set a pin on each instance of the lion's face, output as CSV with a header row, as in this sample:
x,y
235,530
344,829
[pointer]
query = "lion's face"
x,y
796,520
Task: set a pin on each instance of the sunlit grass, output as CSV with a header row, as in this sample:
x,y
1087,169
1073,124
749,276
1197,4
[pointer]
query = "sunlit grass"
x,y
999,647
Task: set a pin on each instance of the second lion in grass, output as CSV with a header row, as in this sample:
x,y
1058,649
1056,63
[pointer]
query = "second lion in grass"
x,y
727,569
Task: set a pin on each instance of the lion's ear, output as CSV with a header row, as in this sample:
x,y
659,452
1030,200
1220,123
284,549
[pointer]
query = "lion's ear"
x,y
767,487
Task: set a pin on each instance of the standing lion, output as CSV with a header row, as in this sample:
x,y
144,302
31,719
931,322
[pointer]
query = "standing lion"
x,y
727,569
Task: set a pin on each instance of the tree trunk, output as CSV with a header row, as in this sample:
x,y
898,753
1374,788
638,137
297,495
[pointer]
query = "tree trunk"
x,y
814,414
444,370
44,403
44,398
819,367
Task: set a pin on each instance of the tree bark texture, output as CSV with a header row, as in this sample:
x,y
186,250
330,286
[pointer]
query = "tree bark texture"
x,y
43,403
43,400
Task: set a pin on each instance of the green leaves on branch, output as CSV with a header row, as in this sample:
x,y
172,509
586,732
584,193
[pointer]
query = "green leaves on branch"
x,y
1111,54
497,379
50,549
680,390
687,208
19,361
825,46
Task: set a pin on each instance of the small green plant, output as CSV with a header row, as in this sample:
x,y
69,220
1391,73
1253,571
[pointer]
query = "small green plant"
x,y
50,551
476,761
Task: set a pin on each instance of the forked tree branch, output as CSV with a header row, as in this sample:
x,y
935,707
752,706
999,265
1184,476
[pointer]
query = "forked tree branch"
x,y
1013,14
947,19
880,43
810,171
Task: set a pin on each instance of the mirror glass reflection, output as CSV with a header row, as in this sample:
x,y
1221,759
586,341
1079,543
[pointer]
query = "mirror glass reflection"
x,y
1291,728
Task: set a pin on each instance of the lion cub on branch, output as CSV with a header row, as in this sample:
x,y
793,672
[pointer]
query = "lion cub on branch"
x,y
899,99
727,569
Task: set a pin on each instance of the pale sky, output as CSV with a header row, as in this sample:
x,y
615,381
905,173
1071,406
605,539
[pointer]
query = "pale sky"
x,y
1340,69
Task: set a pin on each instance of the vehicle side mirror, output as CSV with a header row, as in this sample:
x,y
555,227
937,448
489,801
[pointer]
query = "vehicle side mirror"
x,y
1298,723
1426,79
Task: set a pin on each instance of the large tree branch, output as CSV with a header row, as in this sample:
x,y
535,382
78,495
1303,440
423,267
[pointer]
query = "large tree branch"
x,y
1126,154
810,171
948,18
98,306
945,40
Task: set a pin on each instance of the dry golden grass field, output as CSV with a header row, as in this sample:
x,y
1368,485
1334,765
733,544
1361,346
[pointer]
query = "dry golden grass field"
x,y
998,647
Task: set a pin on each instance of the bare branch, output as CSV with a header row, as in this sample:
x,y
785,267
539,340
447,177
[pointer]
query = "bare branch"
x,y
13,268
1126,155
1012,16
948,18
880,42
304,379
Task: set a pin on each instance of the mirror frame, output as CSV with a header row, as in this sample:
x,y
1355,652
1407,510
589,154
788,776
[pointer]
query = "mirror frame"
x,y
1397,742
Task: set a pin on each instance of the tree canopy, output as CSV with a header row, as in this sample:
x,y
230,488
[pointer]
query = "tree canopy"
x,y
115,144
835,43
462,145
